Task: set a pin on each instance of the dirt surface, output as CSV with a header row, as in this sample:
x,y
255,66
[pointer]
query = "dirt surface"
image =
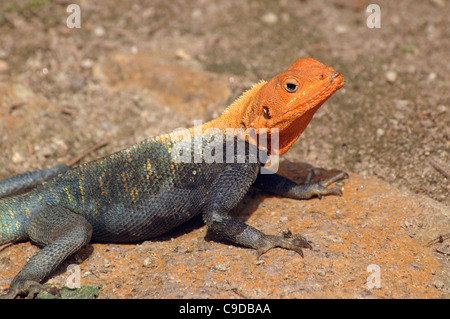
x,y
373,230
138,68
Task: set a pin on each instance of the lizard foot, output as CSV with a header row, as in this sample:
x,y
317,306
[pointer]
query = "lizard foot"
x,y
29,289
307,189
288,241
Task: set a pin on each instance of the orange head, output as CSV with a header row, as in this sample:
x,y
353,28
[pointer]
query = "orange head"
x,y
289,101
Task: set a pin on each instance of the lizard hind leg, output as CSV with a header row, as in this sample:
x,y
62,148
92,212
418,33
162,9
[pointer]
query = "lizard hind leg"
x,y
61,233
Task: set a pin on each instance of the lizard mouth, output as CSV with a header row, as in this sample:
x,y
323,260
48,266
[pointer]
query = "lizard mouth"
x,y
337,79
336,82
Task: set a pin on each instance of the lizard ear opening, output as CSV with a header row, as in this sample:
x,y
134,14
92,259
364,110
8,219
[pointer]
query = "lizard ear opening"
x,y
291,85
266,113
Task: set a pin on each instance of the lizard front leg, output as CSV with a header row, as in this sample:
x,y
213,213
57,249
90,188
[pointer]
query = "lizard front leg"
x,y
283,186
228,189
61,232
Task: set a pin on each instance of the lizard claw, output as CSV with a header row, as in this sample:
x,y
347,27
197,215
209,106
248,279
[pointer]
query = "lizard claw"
x,y
335,178
295,243
307,190
29,289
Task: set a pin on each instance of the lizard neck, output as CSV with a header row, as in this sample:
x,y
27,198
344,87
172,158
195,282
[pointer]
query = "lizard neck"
x,y
232,119
234,115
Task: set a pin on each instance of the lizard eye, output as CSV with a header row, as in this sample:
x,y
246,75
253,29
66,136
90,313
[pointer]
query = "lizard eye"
x,y
291,85
266,113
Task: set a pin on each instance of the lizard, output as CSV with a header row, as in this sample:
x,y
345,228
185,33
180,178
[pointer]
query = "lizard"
x,y
143,191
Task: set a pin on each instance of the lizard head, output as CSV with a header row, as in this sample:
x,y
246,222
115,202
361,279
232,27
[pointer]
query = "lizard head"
x,y
289,101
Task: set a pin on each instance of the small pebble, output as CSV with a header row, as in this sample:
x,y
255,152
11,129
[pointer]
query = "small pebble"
x,y
3,66
147,262
182,55
17,158
340,29
380,132
220,267
401,104
270,18
431,77
99,31
439,284
442,108
391,76
87,64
